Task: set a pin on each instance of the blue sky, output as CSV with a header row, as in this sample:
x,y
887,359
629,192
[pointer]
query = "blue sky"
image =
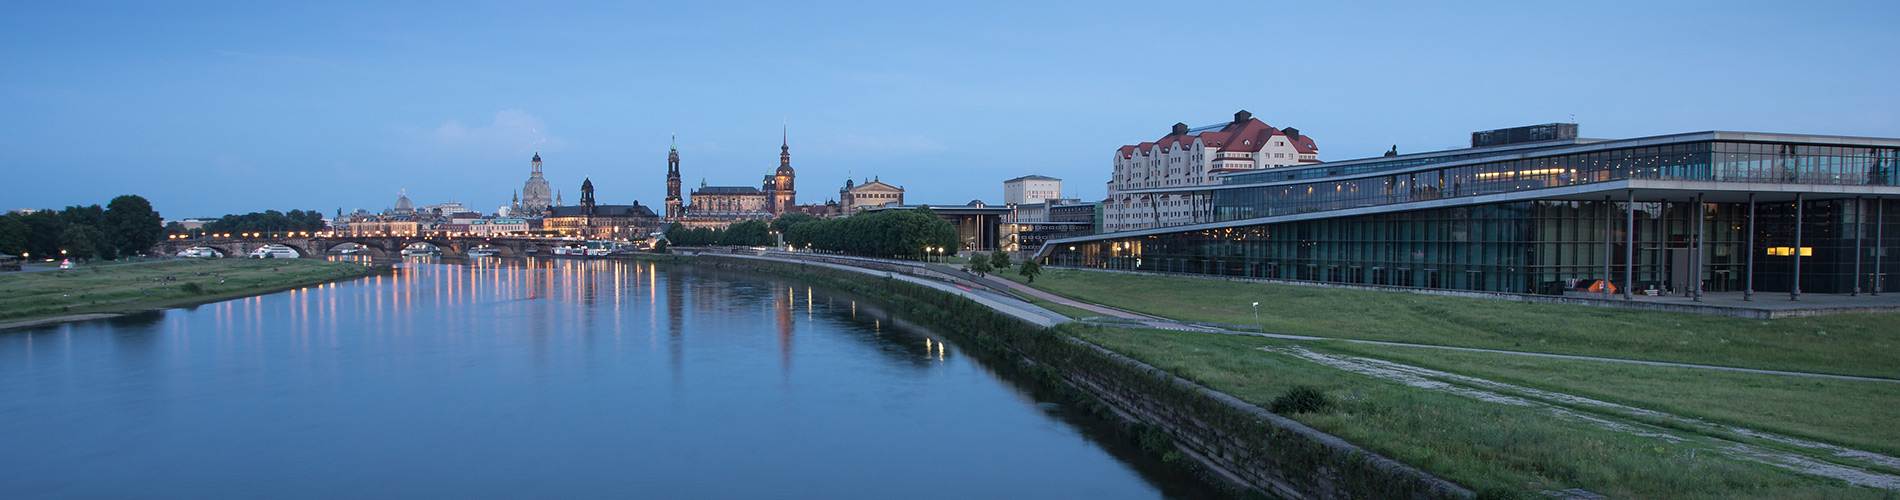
x,y
209,109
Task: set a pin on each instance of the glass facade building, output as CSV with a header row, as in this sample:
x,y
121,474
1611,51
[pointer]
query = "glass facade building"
x,y
1675,214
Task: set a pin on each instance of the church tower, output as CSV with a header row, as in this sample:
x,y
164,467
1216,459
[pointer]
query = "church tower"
x,y
783,197
674,204
587,200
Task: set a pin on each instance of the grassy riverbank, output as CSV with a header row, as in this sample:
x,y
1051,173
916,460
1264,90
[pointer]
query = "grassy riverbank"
x,y
1488,446
1849,344
34,296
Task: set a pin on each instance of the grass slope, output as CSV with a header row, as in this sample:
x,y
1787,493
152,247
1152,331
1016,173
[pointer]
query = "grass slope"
x,y
1487,446
1851,344
29,296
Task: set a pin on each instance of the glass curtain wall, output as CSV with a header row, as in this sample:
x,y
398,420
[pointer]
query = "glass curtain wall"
x,y
1545,246
1700,161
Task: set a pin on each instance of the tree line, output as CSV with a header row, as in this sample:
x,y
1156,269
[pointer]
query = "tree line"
x,y
125,226
885,233
268,221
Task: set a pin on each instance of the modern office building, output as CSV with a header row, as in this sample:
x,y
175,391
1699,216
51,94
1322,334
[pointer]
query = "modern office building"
x,y
1536,210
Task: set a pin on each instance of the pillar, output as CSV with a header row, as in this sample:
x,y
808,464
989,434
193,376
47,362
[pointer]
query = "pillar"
x,y
1880,234
1696,235
1800,216
1860,224
1609,239
1748,293
1629,246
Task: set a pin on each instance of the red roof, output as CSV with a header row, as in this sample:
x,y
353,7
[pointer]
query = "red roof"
x,y
1241,136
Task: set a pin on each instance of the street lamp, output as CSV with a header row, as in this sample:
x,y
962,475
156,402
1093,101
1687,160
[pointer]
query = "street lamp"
x,y
1256,316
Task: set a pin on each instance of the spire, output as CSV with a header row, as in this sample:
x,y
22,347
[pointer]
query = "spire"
x,y
676,142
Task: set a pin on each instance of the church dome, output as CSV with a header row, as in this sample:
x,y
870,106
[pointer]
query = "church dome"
x,y
785,170
403,204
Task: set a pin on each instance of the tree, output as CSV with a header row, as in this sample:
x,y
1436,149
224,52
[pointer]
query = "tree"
x,y
131,225
1030,269
13,235
80,242
999,260
785,221
659,246
979,264
43,229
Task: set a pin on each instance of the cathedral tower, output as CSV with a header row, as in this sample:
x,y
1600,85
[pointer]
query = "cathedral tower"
x,y
783,197
674,204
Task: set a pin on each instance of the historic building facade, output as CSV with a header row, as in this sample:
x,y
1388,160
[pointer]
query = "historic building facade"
x,y
1190,157
872,193
595,221
719,206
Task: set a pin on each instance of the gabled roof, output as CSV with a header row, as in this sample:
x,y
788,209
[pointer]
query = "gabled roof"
x,y
1248,135
1034,177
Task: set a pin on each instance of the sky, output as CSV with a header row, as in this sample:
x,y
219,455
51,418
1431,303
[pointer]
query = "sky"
x,y
214,108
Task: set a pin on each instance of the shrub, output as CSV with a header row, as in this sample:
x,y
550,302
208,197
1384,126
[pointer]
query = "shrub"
x,y
193,288
1301,399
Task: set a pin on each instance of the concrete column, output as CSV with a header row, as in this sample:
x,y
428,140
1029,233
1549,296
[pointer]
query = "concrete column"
x,y
1860,224
1880,234
1697,235
1800,215
1609,240
1629,246
1749,292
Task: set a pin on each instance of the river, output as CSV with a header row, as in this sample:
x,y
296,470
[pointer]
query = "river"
x,y
543,378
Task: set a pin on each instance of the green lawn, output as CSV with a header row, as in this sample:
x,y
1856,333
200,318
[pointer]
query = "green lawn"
x,y
1486,446
26,296
1850,413
1852,344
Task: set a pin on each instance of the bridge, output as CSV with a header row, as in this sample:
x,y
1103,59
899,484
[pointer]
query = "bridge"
x,y
377,247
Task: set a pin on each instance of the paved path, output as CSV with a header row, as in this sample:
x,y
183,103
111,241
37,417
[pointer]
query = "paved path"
x,y
1165,324
1001,303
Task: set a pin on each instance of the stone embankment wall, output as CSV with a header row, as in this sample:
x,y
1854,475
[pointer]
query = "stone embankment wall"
x,y
1236,440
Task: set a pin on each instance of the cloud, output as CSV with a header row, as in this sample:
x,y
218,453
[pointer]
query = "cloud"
x,y
512,133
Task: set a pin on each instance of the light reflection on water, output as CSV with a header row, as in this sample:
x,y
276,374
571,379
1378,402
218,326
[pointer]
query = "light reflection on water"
x,y
530,377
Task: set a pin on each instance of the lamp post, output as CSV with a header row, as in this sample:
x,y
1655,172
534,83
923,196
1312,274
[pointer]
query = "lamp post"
x,y
1256,316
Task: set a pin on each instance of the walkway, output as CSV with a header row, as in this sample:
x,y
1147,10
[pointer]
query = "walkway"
x,y
1004,304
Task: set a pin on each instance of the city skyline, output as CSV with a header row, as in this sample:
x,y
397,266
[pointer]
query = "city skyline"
x,y
208,110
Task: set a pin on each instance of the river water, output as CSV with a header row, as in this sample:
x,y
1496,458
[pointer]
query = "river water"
x,y
538,378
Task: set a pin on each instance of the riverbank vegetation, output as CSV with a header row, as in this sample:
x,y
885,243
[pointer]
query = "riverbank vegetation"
x,y
1848,344
125,226
32,296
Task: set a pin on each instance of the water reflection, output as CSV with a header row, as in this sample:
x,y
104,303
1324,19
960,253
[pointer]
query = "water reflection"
x,y
526,377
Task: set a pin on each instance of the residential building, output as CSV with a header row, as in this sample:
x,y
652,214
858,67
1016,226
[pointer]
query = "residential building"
x,y
1194,157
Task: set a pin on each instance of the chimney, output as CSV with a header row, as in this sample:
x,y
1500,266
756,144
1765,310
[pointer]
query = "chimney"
x,y
1180,128
1242,116
1292,133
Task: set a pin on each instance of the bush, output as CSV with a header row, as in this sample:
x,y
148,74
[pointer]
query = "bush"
x,y
193,288
1301,399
